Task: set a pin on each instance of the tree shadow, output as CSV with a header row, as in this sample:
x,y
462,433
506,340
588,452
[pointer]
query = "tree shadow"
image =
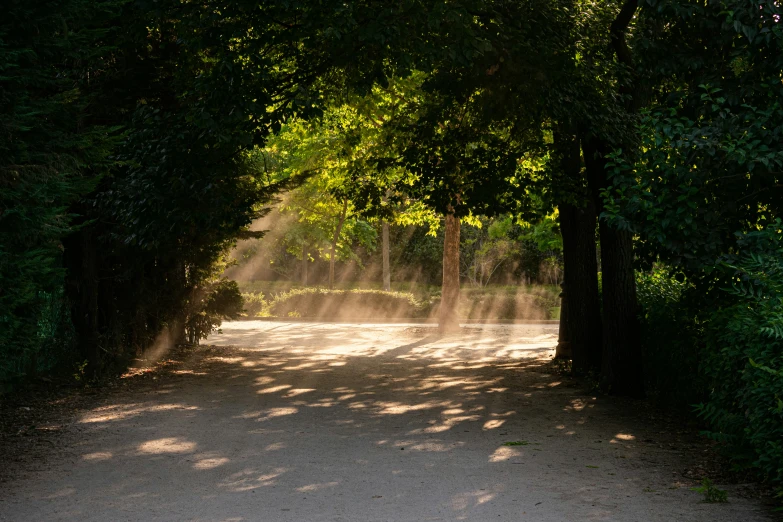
x,y
333,422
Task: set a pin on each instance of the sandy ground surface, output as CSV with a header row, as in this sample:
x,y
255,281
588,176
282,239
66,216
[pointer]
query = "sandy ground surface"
x,y
335,422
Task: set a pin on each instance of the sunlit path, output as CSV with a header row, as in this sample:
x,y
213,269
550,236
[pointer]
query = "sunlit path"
x,y
337,422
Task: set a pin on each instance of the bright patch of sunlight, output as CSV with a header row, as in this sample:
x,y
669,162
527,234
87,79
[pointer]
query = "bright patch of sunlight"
x,y
471,499
230,360
398,408
271,413
249,479
97,456
274,389
213,463
316,487
504,453
447,424
124,411
576,405
166,445
187,372
298,391
493,424
624,437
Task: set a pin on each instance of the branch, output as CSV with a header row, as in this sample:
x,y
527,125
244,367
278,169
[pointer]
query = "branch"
x,y
618,29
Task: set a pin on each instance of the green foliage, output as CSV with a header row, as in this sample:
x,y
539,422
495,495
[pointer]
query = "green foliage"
x,y
710,159
691,213
743,358
671,336
255,305
318,303
711,493
222,301
47,160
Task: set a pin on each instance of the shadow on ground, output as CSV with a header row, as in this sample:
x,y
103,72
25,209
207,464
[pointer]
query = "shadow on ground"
x,y
310,422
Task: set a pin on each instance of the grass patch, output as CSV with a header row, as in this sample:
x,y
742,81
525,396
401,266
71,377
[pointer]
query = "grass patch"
x,y
712,494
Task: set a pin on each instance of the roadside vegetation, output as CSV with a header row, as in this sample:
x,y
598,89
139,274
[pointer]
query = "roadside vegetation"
x,y
488,304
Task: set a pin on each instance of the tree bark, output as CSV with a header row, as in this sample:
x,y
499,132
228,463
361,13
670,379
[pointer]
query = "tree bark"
x,y
621,360
335,238
621,364
563,348
621,369
448,321
580,273
304,263
82,288
580,315
385,255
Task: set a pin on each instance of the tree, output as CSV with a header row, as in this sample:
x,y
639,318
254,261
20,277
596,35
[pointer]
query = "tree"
x,y
48,159
711,157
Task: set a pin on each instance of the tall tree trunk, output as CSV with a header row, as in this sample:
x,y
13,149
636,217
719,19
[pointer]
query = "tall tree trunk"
x,y
621,370
448,321
82,276
580,315
581,297
335,238
563,348
304,263
621,366
385,255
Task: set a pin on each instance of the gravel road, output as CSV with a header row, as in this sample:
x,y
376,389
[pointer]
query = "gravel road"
x,y
274,421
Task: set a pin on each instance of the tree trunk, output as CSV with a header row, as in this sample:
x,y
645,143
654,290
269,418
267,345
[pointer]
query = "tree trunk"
x,y
385,255
621,369
304,264
580,315
335,238
581,301
563,348
621,361
448,321
80,259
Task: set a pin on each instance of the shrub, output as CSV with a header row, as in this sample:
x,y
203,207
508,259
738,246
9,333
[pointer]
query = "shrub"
x,y
222,301
743,359
670,333
256,305
48,346
318,303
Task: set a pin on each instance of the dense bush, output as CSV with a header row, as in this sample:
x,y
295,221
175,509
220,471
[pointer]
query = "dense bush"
x,y
670,335
491,303
721,345
45,151
743,359
221,301
255,305
319,303
48,346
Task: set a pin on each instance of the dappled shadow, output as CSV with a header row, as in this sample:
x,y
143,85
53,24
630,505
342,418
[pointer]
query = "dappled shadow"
x,y
337,422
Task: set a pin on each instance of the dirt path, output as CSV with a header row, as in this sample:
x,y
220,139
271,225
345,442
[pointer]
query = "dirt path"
x,y
311,422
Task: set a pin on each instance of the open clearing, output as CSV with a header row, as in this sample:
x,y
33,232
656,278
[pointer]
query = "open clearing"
x,y
312,421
